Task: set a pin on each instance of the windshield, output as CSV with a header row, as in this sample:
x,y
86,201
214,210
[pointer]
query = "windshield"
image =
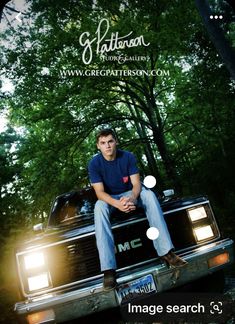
x,y
73,206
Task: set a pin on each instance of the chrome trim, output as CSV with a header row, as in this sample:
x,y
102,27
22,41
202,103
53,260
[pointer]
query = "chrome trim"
x,y
30,295
93,232
74,283
53,244
212,222
92,299
75,238
186,207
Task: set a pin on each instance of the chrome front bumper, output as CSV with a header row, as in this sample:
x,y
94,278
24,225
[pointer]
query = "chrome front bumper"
x,y
60,307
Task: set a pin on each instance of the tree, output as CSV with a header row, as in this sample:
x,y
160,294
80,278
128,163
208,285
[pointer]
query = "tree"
x,y
217,36
159,117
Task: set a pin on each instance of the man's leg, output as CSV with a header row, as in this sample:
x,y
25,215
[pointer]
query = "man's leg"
x,y
104,236
153,211
162,244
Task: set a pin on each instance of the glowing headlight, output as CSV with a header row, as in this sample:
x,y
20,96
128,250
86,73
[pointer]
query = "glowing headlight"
x,y
203,232
38,282
197,213
34,260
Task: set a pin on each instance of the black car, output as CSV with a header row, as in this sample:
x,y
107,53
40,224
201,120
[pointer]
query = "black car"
x,y
59,272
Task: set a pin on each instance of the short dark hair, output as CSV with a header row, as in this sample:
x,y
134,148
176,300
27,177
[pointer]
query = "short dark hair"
x,y
105,132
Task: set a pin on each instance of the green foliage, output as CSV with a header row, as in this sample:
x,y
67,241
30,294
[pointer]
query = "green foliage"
x,y
177,124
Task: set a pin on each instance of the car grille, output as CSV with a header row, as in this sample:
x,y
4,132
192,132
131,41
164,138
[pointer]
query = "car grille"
x,y
78,259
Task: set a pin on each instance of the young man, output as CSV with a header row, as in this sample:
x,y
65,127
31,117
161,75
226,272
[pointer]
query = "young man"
x,y
115,178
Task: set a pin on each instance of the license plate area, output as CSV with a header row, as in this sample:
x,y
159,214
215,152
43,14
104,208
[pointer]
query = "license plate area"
x,y
135,289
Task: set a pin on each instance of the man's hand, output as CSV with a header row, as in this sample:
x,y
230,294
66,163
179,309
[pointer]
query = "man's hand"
x,y
128,203
129,199
124,204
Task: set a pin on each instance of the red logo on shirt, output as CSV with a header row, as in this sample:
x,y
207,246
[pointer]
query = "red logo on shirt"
x,y
125,179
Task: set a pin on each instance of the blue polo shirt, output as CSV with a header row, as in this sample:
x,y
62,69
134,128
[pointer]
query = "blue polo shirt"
x,y
115,175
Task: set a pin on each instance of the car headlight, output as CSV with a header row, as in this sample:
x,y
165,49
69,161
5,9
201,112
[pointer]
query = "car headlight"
x,y
197,213
34,260
203,232
38,282
35,271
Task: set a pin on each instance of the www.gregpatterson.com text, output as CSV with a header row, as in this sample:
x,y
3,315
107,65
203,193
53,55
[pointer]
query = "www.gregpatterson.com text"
x,y
122,73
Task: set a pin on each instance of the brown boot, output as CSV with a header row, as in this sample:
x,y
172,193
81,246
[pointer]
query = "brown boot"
x,y
174,261
109,281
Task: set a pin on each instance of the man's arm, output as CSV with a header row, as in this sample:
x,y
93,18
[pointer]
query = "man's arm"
x,y
102,195
136,188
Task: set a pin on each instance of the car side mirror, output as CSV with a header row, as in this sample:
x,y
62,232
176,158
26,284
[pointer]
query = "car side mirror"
x,y
168,194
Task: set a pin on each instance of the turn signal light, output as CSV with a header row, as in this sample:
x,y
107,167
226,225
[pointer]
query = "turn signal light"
x,y
218,260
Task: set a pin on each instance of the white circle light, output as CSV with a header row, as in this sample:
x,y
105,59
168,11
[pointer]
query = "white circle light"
x,y
152,233
150,181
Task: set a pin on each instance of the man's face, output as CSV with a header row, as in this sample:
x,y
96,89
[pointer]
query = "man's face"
x,y
107,145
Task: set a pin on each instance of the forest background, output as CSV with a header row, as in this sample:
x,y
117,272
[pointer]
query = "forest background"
x,y
179,122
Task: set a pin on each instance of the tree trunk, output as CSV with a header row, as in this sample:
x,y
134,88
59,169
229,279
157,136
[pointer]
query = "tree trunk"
x,y
166,158
152,165
217,36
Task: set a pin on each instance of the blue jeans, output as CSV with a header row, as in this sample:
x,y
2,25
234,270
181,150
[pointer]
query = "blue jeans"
x,y
103,232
